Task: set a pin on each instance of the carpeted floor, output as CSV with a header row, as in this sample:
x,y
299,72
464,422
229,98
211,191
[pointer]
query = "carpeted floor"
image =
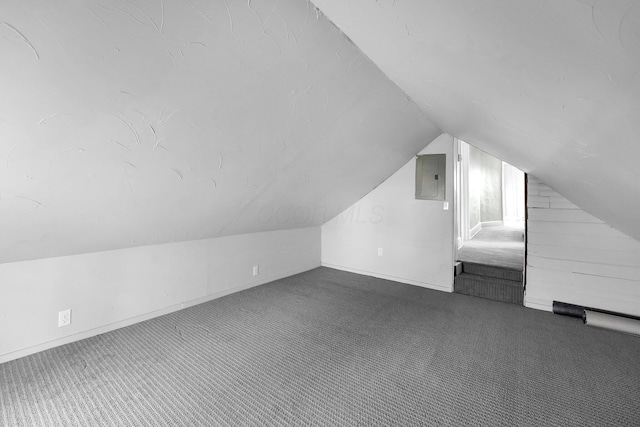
x,y
495,245
333,348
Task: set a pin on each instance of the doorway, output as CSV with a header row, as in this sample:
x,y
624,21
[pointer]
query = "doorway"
x,y
490,226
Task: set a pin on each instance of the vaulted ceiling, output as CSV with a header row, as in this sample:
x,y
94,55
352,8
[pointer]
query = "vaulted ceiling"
x,y
135,122
552,87
131,122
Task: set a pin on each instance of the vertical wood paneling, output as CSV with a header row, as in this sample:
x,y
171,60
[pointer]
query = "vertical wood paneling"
x,y
576,258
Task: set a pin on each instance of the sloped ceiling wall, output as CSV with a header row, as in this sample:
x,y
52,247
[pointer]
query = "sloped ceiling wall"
x,y
552,87
132,122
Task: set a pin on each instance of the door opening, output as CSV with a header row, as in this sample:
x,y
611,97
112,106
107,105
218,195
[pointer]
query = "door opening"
x,y
490,226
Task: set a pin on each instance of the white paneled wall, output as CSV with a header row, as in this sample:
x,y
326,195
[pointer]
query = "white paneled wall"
x,y
574,257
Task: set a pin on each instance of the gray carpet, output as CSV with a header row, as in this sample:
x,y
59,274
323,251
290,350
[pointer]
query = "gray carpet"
x,y
496,245
333,348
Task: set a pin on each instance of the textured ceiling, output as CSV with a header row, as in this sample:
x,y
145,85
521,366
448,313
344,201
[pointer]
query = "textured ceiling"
x,y
552,87
131,122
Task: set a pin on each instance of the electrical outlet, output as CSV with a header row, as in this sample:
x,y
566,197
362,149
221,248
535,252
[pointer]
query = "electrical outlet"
x,y
445,206
64,318
256,270
379,251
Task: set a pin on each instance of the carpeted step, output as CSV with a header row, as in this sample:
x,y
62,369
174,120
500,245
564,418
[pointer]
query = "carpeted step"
x,y
489,287
492,271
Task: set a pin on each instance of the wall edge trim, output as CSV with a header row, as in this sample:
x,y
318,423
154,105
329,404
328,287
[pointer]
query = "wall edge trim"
x,y
538,304
387,277
475,230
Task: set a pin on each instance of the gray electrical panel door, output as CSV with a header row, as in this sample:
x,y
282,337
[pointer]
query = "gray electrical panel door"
x,y
431,176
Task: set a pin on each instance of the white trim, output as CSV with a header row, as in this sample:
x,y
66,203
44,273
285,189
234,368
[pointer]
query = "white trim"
x,y
475,230
538,303
503,197
479,226
464,185
146,316
387,277
491,224
457,220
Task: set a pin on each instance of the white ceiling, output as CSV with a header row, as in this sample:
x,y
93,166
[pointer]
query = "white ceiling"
x,y
131,122
134,122
552,87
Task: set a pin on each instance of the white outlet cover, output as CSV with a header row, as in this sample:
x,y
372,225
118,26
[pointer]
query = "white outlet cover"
x,y
64,318
256,270
445,206
379,251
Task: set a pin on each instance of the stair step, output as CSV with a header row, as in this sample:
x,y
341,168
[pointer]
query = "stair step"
x,y
492,271
489,287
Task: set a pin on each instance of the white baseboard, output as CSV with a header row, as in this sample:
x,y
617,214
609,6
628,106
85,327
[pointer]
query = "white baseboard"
x,y
388,277
475,230
491,224
538,304
146,316
479,226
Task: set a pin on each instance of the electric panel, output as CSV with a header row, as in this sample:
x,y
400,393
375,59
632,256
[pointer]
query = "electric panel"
x,y
431,176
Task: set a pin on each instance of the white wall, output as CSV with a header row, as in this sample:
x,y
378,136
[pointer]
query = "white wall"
x,y
111,289
416,236
513,197
485,187
576,258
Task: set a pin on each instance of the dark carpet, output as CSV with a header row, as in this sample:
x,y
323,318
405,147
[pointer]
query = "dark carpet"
x,y
333,348
495,245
